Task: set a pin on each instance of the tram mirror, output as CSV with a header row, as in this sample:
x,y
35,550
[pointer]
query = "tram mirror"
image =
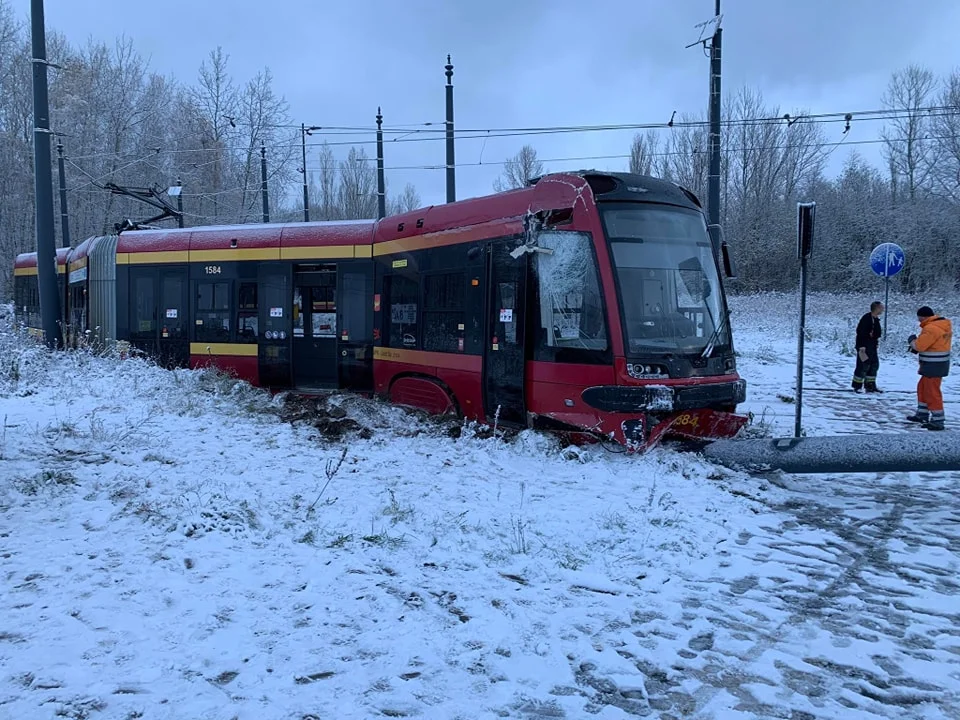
x,y
722,250
729,265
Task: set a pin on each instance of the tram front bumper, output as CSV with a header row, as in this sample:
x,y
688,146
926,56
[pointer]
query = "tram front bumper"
x,y
665,398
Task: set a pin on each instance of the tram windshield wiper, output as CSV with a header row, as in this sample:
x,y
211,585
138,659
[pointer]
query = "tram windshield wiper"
x,y
708,350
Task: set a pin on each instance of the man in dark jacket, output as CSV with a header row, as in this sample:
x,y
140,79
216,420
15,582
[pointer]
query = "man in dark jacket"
x,y
868,358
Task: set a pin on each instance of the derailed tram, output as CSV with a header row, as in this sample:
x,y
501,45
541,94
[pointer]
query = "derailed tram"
x,y
588,303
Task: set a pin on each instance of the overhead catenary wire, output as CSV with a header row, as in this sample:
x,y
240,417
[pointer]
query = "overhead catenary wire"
x,y
582,158
833,116
430,135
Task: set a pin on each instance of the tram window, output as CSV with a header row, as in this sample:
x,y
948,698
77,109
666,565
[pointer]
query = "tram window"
x,y
354,316
571,305
172,311
402,295
212,321
443,312
78,308
19,300
35,302
323,310
145,306
247,314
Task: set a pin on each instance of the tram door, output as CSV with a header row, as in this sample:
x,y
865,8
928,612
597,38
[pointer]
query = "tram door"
x,y
315,327
504,354
355,326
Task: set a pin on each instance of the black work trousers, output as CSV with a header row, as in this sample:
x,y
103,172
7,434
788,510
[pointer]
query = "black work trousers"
x,y
865,373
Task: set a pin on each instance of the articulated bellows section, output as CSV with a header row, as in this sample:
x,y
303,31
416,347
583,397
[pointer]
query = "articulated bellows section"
x,y
904,452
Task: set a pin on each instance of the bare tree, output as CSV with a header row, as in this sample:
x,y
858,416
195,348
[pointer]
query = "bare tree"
x,y
406,201
685,159
216,100
262,113
327,193
357,193
906,146
946,138
645,153
518,169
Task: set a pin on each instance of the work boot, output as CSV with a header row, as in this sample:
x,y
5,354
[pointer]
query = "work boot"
x,y
857,387
872,388
918,418
934,425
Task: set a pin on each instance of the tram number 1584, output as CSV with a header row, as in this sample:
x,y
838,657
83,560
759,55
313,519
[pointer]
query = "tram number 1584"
x,y
212,270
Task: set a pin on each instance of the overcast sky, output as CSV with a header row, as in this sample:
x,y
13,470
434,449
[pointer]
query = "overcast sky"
x,y
530,63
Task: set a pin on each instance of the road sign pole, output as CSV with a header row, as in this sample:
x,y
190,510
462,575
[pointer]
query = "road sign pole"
x,y
806,214
886,305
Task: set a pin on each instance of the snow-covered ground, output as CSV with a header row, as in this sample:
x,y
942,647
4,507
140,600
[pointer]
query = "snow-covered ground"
x,y
177,545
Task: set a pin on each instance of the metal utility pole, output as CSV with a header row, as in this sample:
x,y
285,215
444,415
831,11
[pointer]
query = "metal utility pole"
x,y
451,165
263,182
304,131
381,180
64,221
713,181
806,217
43,184
180,203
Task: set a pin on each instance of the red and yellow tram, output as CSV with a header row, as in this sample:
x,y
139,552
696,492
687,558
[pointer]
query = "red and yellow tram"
x,y
587,302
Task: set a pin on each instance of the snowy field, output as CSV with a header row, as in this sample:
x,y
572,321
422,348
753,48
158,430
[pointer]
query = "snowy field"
x,y
178,545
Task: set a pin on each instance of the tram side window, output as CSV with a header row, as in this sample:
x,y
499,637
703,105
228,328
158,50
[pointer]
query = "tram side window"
x,y
20,300
443,319
568,288
173,323
29,303
144,323
402,294
212,321
355,289
247,312
35,302
78,307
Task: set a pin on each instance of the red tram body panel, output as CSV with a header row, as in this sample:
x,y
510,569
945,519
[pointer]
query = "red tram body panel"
x,y
586,303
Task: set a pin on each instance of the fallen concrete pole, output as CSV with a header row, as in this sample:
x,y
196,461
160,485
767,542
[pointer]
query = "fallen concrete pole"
x,y
920,451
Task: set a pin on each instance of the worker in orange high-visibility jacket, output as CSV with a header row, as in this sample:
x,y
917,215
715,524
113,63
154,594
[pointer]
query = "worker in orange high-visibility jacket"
x,y
933,347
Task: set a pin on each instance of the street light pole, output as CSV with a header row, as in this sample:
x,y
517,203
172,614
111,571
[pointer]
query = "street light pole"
x,y
451,162
304,131
381,180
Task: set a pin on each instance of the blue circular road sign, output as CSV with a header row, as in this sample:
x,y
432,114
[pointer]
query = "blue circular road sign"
x,y
887,259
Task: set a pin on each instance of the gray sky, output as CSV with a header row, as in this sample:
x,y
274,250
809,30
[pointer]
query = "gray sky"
x,y
530,63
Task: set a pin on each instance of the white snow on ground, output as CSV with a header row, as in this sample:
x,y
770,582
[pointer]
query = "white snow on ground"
x,y
178,545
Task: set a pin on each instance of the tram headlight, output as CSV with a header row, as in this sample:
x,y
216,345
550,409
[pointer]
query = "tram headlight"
x,y
640,371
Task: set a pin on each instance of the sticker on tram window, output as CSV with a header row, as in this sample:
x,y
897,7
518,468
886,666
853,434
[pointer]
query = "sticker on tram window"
x,y
172,313
403,314
400,263
212,270
506,314
376,303
276,312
